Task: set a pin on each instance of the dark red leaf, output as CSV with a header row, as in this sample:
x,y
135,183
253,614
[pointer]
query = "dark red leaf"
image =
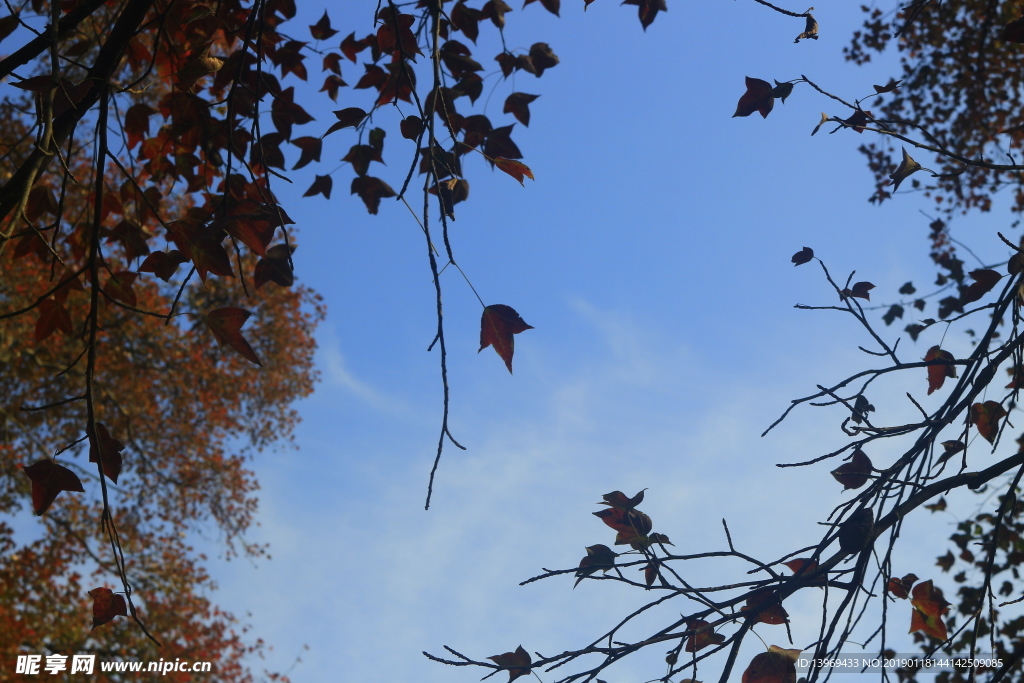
x,y
497,327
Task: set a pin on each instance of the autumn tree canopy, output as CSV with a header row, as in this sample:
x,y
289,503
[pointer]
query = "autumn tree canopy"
x,y
154,335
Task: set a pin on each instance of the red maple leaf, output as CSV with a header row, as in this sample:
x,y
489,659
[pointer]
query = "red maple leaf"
x,y
226,323
106,604
498,324
49,479
758,97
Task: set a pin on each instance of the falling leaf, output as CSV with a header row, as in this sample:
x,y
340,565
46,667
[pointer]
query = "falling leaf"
x,y
226,324
929,606
856,472
702,636
777,665
516,169
855,533
106,604
803,256
938,372
618,499
52,317
758,97
518,663
598,557
906,168
497,325
105,449
901,587
986,417
49,479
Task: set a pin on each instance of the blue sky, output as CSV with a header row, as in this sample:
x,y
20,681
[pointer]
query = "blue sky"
x,y
651,256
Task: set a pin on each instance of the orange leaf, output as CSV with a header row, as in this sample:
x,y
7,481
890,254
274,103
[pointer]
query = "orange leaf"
x,y
650,573
901,587
778,665
986,417
226,323
106,604
854,474
49,479
702,636
929,606
516,169
105,449
938,372
518,663
52,316
497,325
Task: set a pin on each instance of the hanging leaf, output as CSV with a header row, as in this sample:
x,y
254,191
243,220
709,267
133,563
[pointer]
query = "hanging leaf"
x,y
226,324
106,450
106,604
929,606
767,606
856,472
516,169
48,480
938,372
775,666
52,317
901,587
518,663
855,533
702,636
906,168
758,97
803,256
986,417
497,325
598,557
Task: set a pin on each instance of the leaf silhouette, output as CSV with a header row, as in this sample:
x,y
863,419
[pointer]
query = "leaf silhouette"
x,y
226,323
986,417
803,256
598,557
758,97
518,663
775,666
856,472
105,449
906,168
52,317
702,636
497,325
48,480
